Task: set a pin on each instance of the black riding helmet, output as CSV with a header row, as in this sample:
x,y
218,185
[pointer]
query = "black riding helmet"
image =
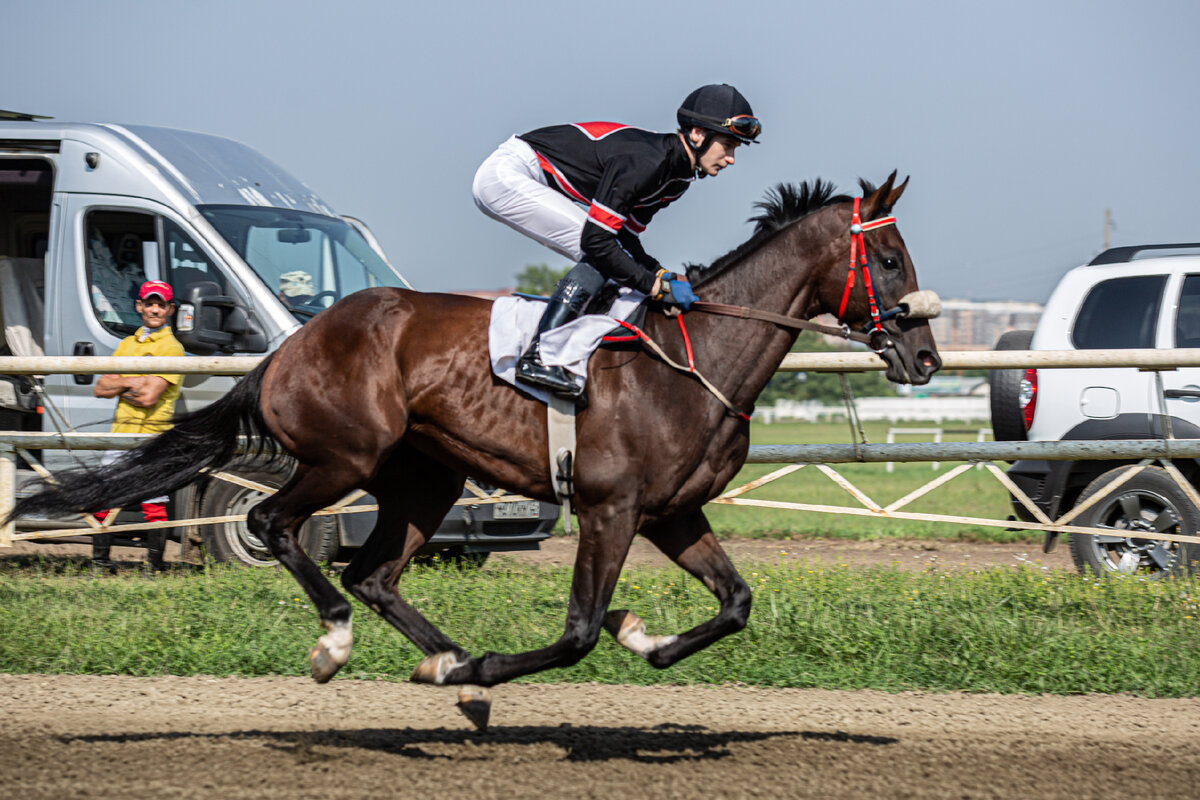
x,y
718,108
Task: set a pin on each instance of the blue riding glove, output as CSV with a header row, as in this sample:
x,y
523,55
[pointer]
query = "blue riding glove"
x,y
676,291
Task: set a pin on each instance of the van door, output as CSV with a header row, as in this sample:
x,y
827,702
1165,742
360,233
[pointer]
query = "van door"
x,y
110,247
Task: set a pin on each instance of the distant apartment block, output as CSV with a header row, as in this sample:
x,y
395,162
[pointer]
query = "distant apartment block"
x,y
971,325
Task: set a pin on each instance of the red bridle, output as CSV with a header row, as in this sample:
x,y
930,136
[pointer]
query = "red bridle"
x,y
858,258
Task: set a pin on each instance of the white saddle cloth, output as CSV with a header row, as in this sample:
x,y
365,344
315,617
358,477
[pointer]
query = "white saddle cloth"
x,y
513,325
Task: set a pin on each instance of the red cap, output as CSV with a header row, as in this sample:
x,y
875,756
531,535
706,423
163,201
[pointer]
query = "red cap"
x,y
159,288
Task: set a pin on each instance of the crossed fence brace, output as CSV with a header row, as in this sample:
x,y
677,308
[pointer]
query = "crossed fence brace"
x,y
869,508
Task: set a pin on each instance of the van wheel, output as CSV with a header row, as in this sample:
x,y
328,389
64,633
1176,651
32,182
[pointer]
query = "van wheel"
x,y
233,541
1150,501
1008,424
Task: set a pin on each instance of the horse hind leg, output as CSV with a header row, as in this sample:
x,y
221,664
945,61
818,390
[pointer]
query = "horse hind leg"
x,y
275,521
414,493
690,543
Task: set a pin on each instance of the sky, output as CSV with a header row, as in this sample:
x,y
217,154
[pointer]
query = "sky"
x,y
1018,122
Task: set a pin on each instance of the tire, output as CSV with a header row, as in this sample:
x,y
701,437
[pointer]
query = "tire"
x,y
233,542
1008,424
1149,501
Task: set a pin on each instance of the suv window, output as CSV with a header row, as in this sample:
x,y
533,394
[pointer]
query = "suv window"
x,y
1187,321
1120,313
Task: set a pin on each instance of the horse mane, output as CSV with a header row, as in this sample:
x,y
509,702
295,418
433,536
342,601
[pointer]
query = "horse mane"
x,y
783,204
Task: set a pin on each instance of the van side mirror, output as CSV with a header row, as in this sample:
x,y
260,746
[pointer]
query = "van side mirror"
x,y
207,321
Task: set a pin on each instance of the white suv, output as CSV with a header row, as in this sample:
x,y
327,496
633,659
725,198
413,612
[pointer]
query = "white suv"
x,y
1114,302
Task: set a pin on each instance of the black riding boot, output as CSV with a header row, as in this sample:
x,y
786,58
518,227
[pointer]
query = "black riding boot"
x,y
101,550
569,300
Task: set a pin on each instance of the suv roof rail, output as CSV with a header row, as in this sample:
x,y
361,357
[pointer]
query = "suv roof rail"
x,y
1119,255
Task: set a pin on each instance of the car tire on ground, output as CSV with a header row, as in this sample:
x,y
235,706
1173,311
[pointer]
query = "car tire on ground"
x,y
1149,501
1008,424
233,541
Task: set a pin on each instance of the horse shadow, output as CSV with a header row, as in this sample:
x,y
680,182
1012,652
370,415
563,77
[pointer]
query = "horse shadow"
x,y
661,744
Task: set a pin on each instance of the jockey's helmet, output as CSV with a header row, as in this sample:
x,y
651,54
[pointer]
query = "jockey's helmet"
x,y
719,108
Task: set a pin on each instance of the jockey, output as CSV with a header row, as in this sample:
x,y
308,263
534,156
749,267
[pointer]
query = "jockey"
x,y
587,190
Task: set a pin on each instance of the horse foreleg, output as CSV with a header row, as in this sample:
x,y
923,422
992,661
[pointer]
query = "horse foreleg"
x,y
604,537
275,521
690,543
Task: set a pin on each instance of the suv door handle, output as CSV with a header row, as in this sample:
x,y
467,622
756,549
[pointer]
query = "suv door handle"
x,y
1175,394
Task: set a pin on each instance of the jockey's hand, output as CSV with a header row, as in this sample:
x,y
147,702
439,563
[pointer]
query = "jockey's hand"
x,y
676,291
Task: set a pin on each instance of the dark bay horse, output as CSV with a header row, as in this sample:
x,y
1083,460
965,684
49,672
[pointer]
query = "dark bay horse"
x,y
391,391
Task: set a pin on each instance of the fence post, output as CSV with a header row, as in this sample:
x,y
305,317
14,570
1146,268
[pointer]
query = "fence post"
x,y
8,492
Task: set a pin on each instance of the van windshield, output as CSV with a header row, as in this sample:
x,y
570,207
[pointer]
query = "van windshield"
x,y
310,261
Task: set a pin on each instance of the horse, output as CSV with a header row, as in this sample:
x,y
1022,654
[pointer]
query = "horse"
x,y
391,391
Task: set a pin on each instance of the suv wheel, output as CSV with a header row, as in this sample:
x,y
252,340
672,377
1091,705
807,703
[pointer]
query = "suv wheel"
x,y
1150,501
1008,422
233,541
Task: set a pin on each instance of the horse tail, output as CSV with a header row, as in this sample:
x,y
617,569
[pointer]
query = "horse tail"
x,y
197,441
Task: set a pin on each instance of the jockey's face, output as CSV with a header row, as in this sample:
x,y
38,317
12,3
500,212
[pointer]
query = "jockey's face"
x,y
719,154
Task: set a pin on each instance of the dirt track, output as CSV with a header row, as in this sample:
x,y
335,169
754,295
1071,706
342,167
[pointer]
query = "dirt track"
x,y
67,736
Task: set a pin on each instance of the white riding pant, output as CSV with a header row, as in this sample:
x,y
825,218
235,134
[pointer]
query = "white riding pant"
x,y
510,186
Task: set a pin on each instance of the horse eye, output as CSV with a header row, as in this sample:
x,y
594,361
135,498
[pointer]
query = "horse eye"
x,y
891,263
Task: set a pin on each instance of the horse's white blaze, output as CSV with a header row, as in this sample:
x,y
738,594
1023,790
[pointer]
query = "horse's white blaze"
x,y
632,636
338,641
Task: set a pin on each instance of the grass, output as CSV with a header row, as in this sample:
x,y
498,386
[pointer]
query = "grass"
x,y
1003,630
975,493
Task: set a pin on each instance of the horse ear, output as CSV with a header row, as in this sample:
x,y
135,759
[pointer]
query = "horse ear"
x,y
877,204
894,195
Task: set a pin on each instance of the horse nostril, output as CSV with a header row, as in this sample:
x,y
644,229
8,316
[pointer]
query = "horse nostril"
x,y
929,360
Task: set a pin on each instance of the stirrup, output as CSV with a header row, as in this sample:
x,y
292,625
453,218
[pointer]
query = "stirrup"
x,y
531,370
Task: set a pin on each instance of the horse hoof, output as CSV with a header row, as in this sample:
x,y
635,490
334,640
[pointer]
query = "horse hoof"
x,y
331,652
475,702
435,668
321,664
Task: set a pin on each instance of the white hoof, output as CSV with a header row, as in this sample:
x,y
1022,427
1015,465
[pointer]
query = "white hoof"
x,y
435,668
630,632
331,652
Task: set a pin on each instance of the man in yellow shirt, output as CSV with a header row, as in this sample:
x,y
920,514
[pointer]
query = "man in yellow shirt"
x,y
145,404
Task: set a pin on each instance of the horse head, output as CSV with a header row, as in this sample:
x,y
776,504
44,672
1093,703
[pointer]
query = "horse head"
x,y
873,288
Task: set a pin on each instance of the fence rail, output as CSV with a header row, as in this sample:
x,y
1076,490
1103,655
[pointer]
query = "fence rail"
x,y
17,444
851,361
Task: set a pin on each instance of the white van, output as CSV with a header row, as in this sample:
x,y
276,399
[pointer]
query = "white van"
x,y
89,211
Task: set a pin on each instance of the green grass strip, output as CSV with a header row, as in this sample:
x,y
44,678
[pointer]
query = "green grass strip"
x,y
1003,630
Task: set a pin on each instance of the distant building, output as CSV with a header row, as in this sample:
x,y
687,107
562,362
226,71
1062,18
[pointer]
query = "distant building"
x,y
971,325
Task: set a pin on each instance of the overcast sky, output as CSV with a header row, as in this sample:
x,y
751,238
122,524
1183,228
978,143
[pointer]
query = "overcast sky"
x,y
1019,122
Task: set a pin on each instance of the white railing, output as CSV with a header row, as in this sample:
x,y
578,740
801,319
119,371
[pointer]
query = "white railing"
x,y
16,444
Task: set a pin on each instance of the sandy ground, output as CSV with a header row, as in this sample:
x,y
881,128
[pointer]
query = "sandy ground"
x,y
87,736
125,737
